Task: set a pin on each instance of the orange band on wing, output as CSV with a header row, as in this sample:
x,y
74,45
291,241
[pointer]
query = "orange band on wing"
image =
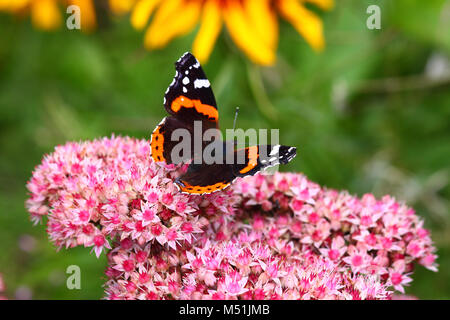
x,y
186,187
157,145
205,109
252,159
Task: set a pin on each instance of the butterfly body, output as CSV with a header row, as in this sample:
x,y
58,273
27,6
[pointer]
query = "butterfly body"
x,y
192,107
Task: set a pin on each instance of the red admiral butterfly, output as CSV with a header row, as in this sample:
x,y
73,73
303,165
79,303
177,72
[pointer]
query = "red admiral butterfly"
x,y
189,98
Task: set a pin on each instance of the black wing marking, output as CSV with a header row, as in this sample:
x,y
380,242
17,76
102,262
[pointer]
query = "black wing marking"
x,y
189,96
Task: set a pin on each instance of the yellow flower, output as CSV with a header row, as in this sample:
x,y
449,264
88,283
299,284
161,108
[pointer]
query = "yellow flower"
x,y
47,14
252,24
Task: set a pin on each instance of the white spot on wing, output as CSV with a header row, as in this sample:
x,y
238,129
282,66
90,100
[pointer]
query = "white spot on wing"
x,y
186,80
275,150
200,83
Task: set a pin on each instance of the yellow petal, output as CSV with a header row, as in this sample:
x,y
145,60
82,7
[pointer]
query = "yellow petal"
x,y
245,35
209,31
173,18
306,22
262,16
168,9
141,13
87,10
13,6
121,6
323,4
45,14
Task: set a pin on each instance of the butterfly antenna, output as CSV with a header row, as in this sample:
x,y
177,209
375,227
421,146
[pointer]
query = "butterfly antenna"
x,y
234,124
235,118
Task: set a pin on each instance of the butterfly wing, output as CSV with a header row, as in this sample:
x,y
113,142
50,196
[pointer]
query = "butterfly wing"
x,y
162,144
251,160
204,178
189,98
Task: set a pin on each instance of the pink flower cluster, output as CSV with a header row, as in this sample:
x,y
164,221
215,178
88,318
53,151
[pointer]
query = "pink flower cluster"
x,y
236,269
266,237
93,192
366,236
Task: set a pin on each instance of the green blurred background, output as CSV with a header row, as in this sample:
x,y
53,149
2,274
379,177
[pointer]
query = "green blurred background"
x,y
369,114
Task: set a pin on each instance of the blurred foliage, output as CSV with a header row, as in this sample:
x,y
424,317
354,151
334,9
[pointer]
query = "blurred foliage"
x,y
369,114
